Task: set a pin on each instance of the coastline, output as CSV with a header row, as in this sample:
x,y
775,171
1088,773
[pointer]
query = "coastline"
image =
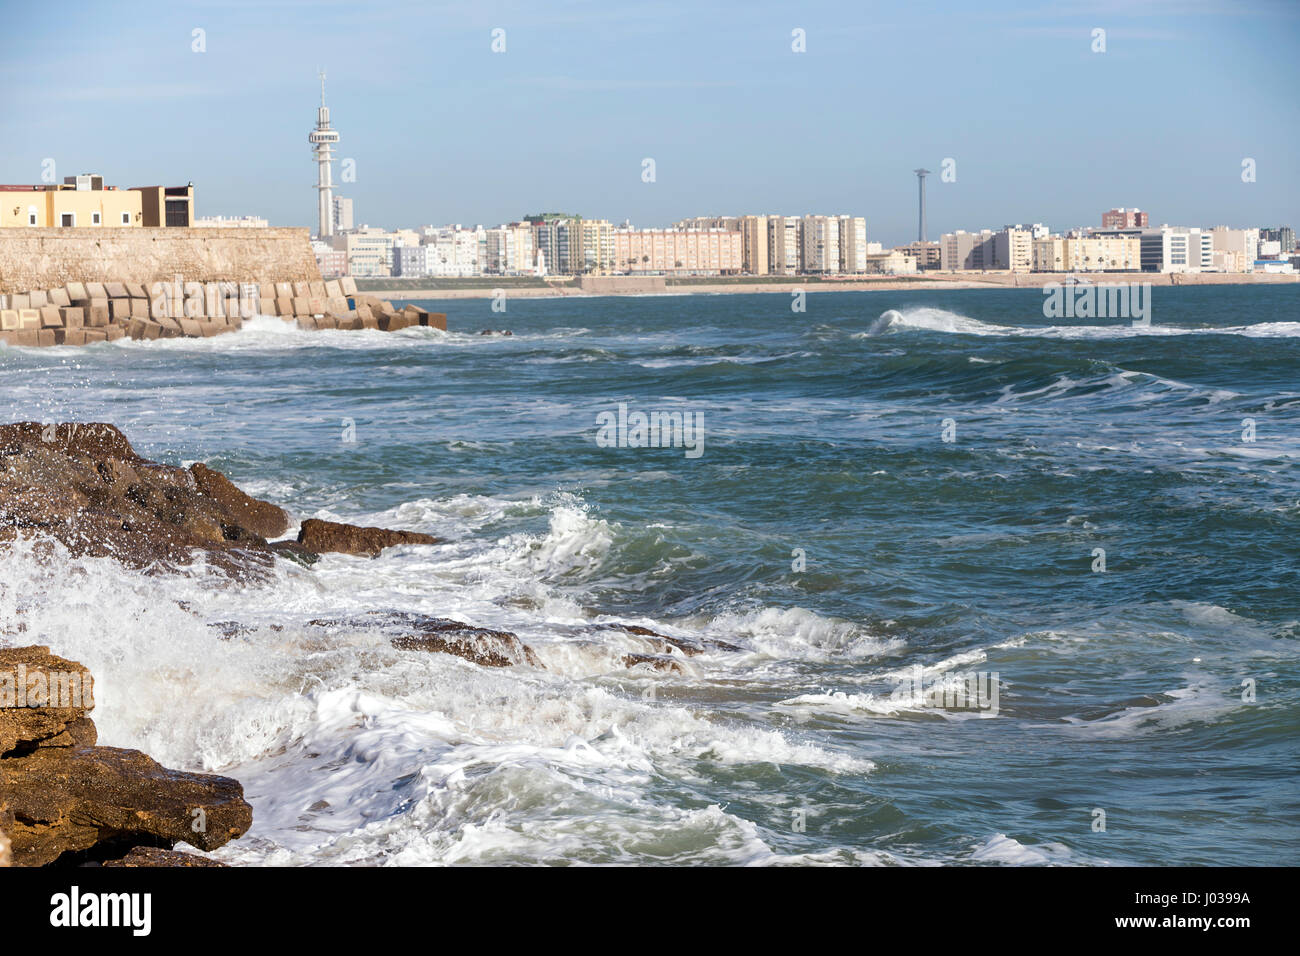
x,y
945,281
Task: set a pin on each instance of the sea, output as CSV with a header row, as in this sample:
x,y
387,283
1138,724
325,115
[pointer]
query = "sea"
x,y
969,584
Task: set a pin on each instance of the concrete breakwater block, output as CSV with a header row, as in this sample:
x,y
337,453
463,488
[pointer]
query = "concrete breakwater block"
x,y
82,313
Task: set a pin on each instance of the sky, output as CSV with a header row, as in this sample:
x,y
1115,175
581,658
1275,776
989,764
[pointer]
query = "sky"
x,y
1037,124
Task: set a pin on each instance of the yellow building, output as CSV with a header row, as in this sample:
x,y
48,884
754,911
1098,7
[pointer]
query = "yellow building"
x,y
593,253
1087,254
84,201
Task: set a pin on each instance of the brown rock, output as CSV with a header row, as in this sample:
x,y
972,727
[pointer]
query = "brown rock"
x,y
475,644
663,643
64,799
153,856
331,536
68,801
421,632
83,485
260,517
42,697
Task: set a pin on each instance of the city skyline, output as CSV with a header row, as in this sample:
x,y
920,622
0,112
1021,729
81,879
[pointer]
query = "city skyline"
x,y
1032,123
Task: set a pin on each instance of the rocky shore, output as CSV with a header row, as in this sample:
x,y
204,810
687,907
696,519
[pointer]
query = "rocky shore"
x,y
64,800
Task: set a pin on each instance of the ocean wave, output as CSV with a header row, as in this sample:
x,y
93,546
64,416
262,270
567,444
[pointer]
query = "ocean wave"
x,y
941,320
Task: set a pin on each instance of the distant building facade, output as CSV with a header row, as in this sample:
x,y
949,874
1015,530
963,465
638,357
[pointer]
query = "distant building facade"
x,y
342,214
679,251
1125,219
852,245
231,222
926,254
84,201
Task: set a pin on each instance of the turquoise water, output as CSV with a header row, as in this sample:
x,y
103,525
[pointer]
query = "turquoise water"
x,y
828,531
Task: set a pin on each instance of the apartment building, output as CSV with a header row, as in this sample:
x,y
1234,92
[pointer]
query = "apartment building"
x,y
342,212
1284,236
593,246
753,232
1169,248
819,247
555,237
1089,253
705,223
369,253
410,261
1013,249
852,245
678,251
783,245
1234,250
452,251
509,249
964,251
926,254
84,201
1125,219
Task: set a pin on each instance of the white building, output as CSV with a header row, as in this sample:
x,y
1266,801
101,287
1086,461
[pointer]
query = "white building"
x,y
231,222
342,214
509,250
853,245
452,250
783,245
820,248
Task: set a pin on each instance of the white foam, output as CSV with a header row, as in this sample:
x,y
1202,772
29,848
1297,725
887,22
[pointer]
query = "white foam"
x,y
941,320
1000,848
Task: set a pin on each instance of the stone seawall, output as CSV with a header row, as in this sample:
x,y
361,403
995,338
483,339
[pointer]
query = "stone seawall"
x,y
622,285
43,258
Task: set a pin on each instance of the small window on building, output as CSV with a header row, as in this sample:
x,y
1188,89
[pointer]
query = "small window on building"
x,y
126,219
94,218
31,215
68,219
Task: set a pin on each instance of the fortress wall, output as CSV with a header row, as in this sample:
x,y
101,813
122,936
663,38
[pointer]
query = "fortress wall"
x,y
45,258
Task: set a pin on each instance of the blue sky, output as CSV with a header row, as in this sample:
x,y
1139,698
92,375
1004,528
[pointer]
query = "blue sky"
x,y
442,129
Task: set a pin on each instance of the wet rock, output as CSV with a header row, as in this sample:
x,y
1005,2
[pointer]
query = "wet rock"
x,y
84,485
332,536
155,856
259,517
476,644
65,800
657,661
41,697
421,632
68,801
666,641
295,552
